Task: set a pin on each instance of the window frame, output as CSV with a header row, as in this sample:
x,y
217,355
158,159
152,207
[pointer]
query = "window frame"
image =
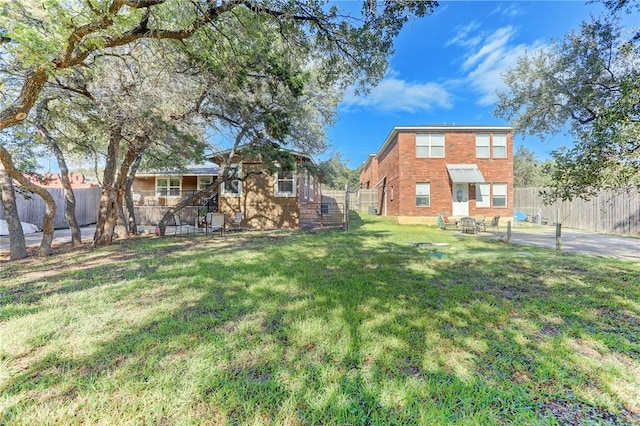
x,y
236,174
421,195
200,178
485,138
426,140
485,198
494,195
278,180
503,144
169,190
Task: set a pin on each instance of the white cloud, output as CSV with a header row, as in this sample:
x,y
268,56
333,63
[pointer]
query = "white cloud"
x,y
462,35
494,44
396,95
486,62
510,10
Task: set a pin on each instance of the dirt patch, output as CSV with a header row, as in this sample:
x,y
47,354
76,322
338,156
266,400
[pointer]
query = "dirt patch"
x,y
549,330
576,413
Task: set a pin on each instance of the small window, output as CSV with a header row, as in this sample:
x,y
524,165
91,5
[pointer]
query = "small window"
x,y
482,146
232,187
168,187
429,145
483,197
499,195
285,184
203,181
500,145
423,194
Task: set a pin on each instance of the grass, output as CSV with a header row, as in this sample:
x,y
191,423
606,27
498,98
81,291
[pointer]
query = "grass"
x,y
362,327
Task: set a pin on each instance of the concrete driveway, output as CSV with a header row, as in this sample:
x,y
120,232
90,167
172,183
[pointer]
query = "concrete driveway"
x,y
576,241
59,236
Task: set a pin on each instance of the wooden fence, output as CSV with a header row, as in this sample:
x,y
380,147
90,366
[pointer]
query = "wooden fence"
x,y
614,211
31,210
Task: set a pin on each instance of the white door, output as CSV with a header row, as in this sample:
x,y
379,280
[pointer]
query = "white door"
x,y
460,194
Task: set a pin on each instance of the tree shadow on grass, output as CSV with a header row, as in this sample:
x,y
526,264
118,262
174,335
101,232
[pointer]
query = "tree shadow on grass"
x,y
326,329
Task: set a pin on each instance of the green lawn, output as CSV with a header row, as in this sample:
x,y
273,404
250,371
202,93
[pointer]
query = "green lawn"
x,y
320,328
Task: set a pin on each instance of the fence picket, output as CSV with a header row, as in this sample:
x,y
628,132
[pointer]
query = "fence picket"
x,y
613,211
31,209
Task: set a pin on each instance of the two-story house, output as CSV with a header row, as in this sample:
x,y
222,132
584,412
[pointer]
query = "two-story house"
x,y
422,171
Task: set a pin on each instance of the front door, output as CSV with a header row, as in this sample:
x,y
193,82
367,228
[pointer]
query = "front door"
x,y
460,194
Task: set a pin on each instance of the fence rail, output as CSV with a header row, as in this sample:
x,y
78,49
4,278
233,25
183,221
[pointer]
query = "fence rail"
x,y
31,210
613,211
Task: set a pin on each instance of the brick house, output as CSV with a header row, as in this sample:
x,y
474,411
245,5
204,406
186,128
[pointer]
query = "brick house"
x,y
421,171
266,200
269,200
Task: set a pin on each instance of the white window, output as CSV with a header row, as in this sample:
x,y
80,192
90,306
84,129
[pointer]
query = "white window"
x,y
285,183
168,186
203,181
499,195
483,196
482,145
232,187
500,145
429,145
423,194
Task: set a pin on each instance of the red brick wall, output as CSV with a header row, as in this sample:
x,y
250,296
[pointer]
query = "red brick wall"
x,y
403,170
369,173
388,165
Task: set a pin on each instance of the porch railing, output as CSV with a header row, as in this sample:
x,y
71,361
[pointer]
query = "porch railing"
x,y
161,198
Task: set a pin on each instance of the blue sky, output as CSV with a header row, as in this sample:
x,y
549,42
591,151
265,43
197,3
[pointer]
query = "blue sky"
x,y
447,68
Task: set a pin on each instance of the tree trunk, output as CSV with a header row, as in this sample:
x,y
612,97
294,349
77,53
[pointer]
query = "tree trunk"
x,y
17,245
121,223
70,204
34,82
50,204
130,216
108,194
69,196
113,191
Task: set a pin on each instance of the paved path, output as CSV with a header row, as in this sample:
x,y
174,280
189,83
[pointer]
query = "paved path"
x,y
59,236
576,241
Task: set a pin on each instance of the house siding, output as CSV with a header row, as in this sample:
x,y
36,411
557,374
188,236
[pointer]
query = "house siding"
x,y
403,170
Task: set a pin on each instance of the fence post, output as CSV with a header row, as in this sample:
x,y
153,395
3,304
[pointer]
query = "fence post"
x,y
346,208
508,232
